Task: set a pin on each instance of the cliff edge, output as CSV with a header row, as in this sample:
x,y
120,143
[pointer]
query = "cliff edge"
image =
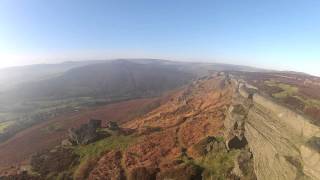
x,y
284,144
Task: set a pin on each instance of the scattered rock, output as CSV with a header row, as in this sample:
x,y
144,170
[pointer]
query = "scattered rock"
x,y
66,142
244,168
209,144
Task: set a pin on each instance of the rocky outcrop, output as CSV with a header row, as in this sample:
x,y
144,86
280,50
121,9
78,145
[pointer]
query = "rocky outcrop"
x,y
278,137
86,133
112,126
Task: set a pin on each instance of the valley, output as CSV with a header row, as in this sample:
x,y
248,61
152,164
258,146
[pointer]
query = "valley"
x,y
227,124
17,150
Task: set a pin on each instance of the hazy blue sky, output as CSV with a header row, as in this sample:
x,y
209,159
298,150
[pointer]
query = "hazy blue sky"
x,y
279,34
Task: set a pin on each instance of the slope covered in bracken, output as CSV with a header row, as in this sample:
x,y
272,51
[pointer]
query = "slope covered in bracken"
x,y
192,114
182,138
169,133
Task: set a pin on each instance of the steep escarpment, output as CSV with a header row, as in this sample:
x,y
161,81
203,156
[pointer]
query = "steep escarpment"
x,y
171,132
285,145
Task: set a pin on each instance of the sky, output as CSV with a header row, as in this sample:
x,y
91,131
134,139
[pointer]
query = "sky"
x,y
276,34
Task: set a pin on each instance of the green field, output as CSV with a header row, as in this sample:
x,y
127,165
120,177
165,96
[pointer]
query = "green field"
x,y
21,115
288,90
110,143
5,125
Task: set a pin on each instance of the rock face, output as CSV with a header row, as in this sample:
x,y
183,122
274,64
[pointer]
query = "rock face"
x,y
278,137
112,125
86,133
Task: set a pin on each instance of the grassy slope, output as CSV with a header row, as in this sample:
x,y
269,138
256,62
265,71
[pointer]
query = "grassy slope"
x,y
288,90
89,154
95,149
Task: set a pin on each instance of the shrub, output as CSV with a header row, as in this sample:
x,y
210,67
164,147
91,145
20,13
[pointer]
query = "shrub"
x,y
187,171
208,144
217,165
84,169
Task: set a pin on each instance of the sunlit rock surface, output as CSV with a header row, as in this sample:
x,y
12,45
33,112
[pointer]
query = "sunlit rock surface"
x,y
278,137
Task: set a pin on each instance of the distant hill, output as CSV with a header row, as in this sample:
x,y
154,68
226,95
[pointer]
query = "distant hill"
x,y
10,77
82,85
109,79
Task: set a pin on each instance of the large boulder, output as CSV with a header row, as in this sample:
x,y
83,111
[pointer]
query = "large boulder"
x,y
112,125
